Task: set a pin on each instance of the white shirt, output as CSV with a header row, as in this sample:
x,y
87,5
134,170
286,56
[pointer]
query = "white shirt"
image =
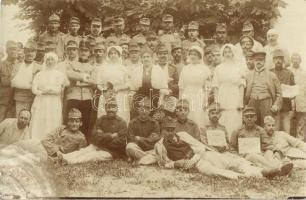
x,y
24,77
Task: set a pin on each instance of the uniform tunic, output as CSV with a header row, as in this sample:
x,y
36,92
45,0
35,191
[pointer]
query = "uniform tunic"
x,y
64,141
148,129
107,126
189,127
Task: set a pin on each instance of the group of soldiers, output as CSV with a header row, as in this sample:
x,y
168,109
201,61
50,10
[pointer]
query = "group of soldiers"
x,y
167,137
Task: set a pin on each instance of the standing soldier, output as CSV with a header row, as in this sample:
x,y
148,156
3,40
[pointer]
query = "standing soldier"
x,y
124,43
263,90
168,37
119,26
40,53
22,77
285,77
248,30
193,37
6,92
144,26
80,92
177,57
95,31
74,27
221,34
53,34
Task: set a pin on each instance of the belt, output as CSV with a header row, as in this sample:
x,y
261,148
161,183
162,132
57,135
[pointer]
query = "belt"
x,y
260,97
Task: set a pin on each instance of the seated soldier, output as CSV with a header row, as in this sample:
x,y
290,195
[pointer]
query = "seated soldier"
x,y
251,130
283,146
13,130
110,131
65,139
183,123
143,133
214,114
181,150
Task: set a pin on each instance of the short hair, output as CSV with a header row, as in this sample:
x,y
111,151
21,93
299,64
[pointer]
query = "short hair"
x,y
24,109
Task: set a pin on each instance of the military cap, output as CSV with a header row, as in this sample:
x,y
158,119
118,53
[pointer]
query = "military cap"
x,y
208,49
84,44
145,21
193,25
141,40
269,119
133,45
167,18
259,52
220,27
54,18
118,21
162,47
169,122
74,114
248,110
74,20
96,20
112,39
214,107
100,45
175,46
11,45
72,44
30,44
124,40
278,53
247,26
182,103
20,45
151,35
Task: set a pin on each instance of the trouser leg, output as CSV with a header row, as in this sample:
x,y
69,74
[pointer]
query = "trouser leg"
x,y
262,108
283,122
208,168
134,151
261,161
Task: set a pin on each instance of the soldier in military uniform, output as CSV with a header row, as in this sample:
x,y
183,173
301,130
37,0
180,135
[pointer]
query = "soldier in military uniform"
x,y
6,92
53,34
168,37
40,53
170,72
251,130
134,57
144,26
221,34
177,57
183,123
22,77
248,29
74,27
65,139
80,92
118,27
95,31
193,37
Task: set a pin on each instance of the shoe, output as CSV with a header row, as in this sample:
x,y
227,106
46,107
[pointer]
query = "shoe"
x,y
286,169
270,173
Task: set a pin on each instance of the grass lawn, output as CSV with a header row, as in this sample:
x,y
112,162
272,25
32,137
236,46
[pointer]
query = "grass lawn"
x,y
121,179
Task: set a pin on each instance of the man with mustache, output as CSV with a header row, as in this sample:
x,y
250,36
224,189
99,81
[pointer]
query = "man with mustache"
x,y
177,57
54,35
263,91
286,77
23,74
95,31
74,27
110,131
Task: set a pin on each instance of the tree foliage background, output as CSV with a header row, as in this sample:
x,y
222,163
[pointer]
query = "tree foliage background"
x,y
262,13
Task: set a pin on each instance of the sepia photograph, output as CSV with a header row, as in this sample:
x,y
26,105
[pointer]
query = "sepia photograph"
x,y
152,99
